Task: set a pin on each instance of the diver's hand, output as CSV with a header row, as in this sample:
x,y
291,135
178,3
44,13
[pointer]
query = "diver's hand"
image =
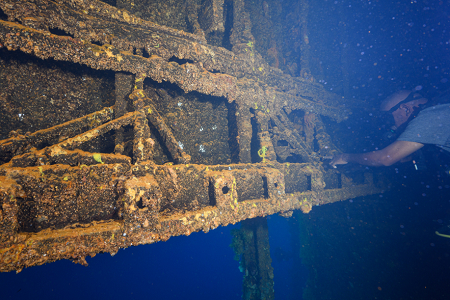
x,y
339,159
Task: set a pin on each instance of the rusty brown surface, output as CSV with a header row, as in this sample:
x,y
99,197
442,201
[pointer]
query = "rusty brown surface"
x,y
251,246
207,150
211,16
112,206
161,43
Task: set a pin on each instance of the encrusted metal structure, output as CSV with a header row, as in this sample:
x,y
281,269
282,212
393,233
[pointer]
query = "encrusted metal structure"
x,y
194,136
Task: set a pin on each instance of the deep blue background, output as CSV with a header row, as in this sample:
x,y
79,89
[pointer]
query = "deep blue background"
x,y
200,266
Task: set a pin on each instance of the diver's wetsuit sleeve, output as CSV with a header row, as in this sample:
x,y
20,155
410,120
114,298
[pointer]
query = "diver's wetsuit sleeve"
x,y
431,126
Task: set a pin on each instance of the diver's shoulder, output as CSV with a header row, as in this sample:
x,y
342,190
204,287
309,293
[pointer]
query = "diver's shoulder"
x,y
437,107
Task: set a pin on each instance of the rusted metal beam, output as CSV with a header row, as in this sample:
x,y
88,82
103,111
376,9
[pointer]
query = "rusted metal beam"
x,y
94,21
23,143
211,16
60,201
251,243
47,210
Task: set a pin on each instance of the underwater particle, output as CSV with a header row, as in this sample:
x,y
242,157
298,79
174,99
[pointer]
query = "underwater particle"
x,y
179,103
201,128
41,218
201,149
180,144
214,127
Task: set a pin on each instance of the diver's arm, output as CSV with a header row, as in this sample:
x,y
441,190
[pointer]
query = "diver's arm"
x,y
385,157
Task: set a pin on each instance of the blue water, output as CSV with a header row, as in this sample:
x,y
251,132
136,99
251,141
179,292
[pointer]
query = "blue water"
x,y
200,266
375,247
383,246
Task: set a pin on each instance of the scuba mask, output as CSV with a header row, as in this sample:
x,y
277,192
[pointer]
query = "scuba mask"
x,y
386,120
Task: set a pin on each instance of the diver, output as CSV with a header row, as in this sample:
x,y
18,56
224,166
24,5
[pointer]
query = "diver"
x,y
430,126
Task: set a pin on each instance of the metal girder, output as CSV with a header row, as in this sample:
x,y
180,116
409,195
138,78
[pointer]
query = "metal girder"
x,y
94,21
48,211
59,201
